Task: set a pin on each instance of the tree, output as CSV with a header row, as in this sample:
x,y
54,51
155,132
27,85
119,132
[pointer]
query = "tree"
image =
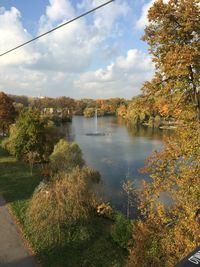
x,y
122,230
66,156
122,111
52,135
175,172
31,158
7,112
90,112
27,135
173,37
169,232
130,191
20,99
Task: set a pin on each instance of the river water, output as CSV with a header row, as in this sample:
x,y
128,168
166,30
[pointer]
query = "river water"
x,y
119,154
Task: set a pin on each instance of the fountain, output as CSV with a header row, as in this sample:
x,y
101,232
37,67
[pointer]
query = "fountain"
x,y
96,133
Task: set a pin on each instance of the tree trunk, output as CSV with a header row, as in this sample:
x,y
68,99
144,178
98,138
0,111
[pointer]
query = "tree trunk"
x,y
196,93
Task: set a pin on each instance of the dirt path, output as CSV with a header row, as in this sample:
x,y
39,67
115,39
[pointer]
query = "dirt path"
x,y
13,252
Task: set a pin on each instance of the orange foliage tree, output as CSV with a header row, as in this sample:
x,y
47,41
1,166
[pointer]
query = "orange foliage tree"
x,y
173,37
170,203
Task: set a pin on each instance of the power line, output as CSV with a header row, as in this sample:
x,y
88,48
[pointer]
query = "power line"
x,y
54,29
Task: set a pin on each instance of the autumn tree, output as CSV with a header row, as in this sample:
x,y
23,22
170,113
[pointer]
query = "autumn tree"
x,y
173,37
170,231
7,112
170,203
20,100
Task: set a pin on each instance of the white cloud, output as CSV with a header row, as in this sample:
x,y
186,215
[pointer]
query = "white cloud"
x,y
58,64
105,18
73,47
12,34
143,20
123,78
58,10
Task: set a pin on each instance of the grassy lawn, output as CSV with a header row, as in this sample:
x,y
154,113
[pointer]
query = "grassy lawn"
x,y
17,186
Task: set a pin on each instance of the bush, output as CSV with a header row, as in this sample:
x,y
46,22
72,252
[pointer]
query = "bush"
x,y
104,209
59,206
66,156
122,231
5,144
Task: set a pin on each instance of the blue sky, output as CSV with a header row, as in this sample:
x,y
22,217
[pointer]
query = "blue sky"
x,y
99,56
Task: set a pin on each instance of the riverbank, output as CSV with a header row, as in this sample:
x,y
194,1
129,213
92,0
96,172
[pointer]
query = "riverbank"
x,y
17,186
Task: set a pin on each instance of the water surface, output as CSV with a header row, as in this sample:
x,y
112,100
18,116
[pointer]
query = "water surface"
x,y
118,154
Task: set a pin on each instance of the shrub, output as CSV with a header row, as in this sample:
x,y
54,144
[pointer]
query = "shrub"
x,y
122,231
104,209
66,156
58,206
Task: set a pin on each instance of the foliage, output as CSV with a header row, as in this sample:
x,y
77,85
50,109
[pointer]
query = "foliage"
x,y
27,135
130,191
31,158
146,250
104,209
169,231
52,135
90,112
7,113
91,244
22,100
66,156
122,230
121,111
61,204
175,171
173,34
105,107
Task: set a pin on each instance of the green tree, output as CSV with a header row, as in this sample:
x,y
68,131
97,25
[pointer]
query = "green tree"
x,y
27,135
122,230
52,135
7,112
66,156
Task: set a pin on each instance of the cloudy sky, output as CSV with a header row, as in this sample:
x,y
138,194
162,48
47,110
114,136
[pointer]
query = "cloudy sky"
x,y
98,56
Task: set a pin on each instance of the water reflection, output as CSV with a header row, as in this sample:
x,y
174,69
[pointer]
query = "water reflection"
x,y
123,149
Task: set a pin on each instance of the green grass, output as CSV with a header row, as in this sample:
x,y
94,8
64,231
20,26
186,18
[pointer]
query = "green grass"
x,y
17,186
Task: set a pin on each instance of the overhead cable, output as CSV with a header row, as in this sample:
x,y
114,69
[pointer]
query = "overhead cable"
x,y
56,28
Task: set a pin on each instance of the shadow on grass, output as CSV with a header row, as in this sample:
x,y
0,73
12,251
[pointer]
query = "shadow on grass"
x,y
17,186
25,262
100,251
16,183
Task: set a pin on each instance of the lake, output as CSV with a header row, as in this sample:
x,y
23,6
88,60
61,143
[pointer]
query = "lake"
x,y
120,153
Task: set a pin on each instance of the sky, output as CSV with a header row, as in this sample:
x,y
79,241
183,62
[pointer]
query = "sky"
x,y
98,56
